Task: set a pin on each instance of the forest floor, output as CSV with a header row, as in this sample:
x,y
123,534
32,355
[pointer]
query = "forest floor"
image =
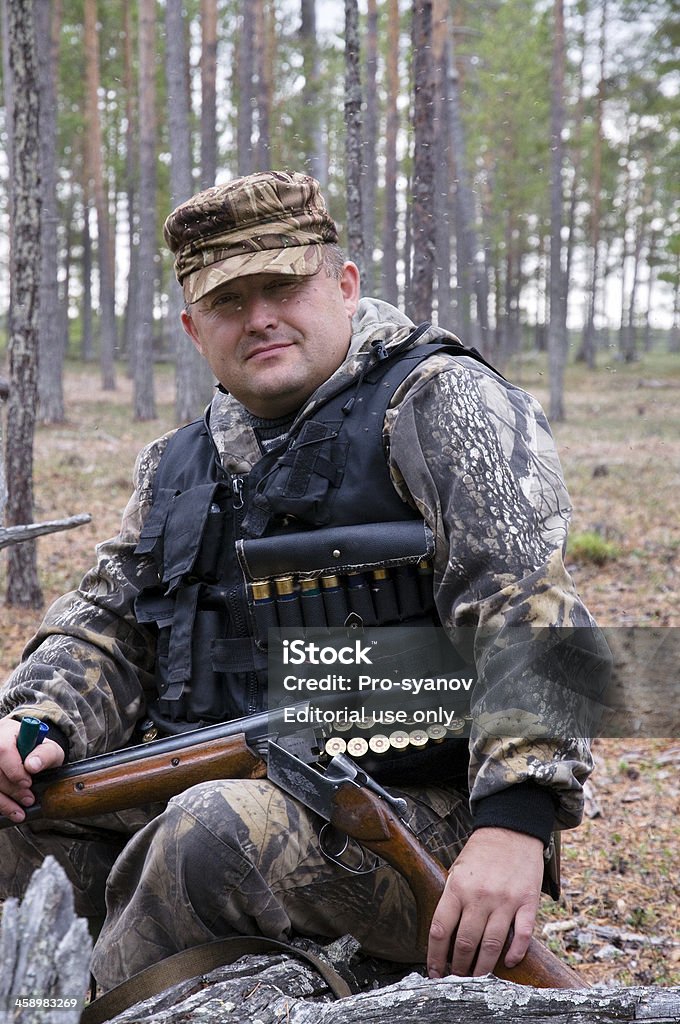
x,y
617,919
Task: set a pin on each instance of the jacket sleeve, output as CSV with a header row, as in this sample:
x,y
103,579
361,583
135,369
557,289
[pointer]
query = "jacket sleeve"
x,y
476,456
89,666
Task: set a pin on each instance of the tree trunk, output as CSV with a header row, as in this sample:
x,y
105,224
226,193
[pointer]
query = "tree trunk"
x,y
444,191
23,587
66,264
87,320
310,91
557,334
51,341
674,339
144,401
245,65
131,185
263,97
589,347
369,184
471,277
422,194
624,335
95,164
389,289
193,381
208,92
353,136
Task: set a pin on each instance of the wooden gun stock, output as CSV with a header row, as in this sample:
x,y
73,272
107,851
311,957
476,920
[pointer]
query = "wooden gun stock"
x,y
372,822
69,793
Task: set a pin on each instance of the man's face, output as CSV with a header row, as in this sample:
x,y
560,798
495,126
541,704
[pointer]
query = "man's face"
x,y
272,339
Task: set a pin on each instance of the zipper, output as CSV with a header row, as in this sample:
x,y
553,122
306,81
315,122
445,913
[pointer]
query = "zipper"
x,y
237,596
237,496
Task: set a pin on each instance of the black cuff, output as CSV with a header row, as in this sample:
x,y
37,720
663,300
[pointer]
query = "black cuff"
x,y
524,807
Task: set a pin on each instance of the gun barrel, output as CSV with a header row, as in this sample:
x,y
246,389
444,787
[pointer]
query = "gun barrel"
x,y
106,782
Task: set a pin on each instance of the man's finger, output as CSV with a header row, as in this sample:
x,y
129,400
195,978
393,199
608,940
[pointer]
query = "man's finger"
x,y
48,755
524,926
444,922
491,945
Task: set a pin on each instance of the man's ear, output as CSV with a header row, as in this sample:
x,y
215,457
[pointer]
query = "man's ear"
x,y
350,287
190,329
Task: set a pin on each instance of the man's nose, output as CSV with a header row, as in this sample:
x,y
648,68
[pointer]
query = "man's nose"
x,y
259,312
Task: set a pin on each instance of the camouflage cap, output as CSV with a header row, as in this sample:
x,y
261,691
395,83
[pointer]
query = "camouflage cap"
x,y
271,222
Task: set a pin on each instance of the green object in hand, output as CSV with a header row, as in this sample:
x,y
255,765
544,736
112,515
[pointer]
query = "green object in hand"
x,y
31,733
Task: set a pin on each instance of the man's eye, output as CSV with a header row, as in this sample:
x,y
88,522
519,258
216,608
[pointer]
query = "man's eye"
x,y
286,286
224,300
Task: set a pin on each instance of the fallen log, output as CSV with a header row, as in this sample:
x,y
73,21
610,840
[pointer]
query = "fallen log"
x,y
16,534
270,989
45,952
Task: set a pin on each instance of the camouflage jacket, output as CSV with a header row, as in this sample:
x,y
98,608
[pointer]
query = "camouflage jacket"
x,y
474,454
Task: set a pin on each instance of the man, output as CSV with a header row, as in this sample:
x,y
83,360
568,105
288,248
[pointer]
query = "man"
x,y
331,411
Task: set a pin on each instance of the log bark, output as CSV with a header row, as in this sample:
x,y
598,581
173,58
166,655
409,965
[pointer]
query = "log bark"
x,y
17,534
45,953
270,989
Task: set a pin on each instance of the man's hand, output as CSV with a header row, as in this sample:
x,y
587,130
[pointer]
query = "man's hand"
x,y
16,778
494,884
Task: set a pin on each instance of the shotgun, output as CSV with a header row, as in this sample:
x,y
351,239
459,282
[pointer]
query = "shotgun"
x,y
260,746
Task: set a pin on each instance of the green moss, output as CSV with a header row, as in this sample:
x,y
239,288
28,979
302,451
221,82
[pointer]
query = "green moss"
x,y
589,546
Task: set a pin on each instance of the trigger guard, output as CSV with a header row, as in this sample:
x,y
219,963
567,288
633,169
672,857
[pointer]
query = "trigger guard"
x,y
334,856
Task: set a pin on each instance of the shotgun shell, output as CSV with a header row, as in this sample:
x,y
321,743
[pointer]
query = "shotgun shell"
x,y
379,744
399,739
357,747
418,738
335,745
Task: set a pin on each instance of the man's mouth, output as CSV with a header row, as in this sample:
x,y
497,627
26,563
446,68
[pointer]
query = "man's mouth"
x,y
268,349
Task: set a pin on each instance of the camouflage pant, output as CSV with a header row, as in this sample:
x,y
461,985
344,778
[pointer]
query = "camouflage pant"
x,y
224,858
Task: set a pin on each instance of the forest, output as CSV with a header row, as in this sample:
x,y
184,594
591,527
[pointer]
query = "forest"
x,y
506,169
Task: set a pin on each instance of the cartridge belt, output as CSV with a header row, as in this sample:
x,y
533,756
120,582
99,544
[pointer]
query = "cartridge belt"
x,y
375,573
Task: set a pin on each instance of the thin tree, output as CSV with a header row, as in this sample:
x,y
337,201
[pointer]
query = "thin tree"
x,y
557,337
246,91
370,166
310,90
144,401
588,346
131,180
209,92
95,163
52,344
389,287
353,135
193,383
471,277
264,86
23,587
443,184
422,189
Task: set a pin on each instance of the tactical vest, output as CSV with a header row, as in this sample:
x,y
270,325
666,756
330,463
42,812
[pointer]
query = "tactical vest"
x,y
315,534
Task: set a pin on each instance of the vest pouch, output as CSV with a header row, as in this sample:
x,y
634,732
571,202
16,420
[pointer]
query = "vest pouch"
x,y
222,664
186,525
213,552
302,481
153,607
151,536
208,687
